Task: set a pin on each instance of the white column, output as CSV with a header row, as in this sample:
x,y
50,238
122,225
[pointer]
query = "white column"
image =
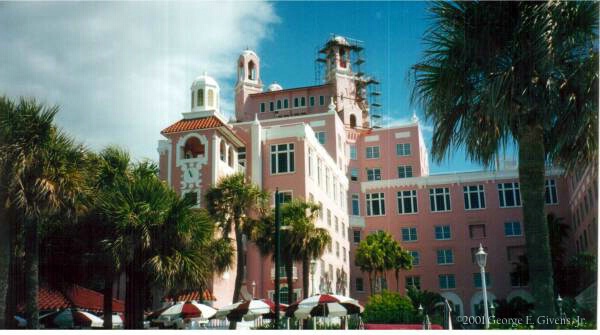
x,y
256,140
216,141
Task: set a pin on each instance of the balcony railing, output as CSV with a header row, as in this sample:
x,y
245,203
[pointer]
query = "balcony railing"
x,y
283,273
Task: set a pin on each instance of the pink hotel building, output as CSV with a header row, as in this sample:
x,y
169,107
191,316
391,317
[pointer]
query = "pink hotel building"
x,y
322,143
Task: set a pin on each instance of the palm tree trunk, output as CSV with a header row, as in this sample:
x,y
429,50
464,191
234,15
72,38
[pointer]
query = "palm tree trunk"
x,y
32,312
397,280
531,176
239,273
14,285
371,288
5,247
107,308
135,293
305,277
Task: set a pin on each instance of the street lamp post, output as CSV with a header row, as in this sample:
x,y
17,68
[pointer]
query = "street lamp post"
x,y
253,289
277,255
559,302
313,269
481,257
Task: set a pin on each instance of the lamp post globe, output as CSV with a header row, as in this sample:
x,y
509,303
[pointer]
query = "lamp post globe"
x,y
481,258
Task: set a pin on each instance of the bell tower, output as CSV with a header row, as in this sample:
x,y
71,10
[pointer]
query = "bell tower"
x,y
248,82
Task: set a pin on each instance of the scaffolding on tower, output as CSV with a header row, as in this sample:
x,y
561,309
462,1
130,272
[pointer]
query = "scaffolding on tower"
x,y
368,90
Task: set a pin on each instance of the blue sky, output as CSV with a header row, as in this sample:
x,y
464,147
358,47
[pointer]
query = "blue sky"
x,y
121,71
391,32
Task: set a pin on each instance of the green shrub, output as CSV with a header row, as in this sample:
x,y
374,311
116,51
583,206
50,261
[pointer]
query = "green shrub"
x,y
390,307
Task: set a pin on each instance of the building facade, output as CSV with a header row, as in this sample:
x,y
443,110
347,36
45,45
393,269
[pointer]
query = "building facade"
x,y
323,143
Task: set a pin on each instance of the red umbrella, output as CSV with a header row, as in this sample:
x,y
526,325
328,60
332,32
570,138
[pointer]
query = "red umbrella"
x,y
249,310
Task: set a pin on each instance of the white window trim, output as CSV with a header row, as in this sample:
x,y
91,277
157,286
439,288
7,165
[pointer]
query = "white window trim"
x,y
378,152
416,197
513,189
287,152
380,199
479,193
409,241
449,204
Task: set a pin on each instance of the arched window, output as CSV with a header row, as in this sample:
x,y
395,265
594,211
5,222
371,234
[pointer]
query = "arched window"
x,y
200,98
241,70
230,158
251,71
193,148
342,58
222,151
192,99
211,98
352,121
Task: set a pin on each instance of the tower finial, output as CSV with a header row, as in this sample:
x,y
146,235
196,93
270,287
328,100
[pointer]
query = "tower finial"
x,y
331,107
414,118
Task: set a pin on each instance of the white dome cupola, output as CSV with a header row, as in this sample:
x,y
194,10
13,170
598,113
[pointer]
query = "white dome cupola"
x,y
205,94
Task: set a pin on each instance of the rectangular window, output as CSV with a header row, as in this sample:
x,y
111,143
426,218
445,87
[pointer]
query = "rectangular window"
x,y
344,254
445,256
373,174
278,104
416,258
356,236
375,204
311,101
407,202
271,106
285,104
405,171
413,281
321,100
409,234
442,232
295,102
262,107
372,152
474,197
320,136
337,224
447,281
285,197
403,149
519,279
358,285
477,280
353,155
242,156
282,158
477,231
303,101
354,174
337,249
509,195
512,228
355,205
319,171
329,217
550,190
439,199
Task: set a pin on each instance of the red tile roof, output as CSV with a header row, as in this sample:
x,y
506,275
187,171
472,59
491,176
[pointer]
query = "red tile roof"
x,y
79,297
91,300
193,124
194,295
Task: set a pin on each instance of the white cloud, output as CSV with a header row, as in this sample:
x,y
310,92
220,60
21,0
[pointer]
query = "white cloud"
x,y
121,71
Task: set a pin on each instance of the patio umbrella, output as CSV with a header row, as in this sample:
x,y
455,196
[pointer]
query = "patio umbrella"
x,y
326,305
185,310
71,318
248,310
117,320
21,322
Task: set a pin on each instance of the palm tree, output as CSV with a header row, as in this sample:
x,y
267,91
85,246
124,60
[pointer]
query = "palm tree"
x,y
160,240
112,166
233,202
500,73
46,178
401,260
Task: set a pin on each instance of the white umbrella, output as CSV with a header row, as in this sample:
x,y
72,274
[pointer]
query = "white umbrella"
x,y
21,323
71,318
327,305
248,310
188,309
